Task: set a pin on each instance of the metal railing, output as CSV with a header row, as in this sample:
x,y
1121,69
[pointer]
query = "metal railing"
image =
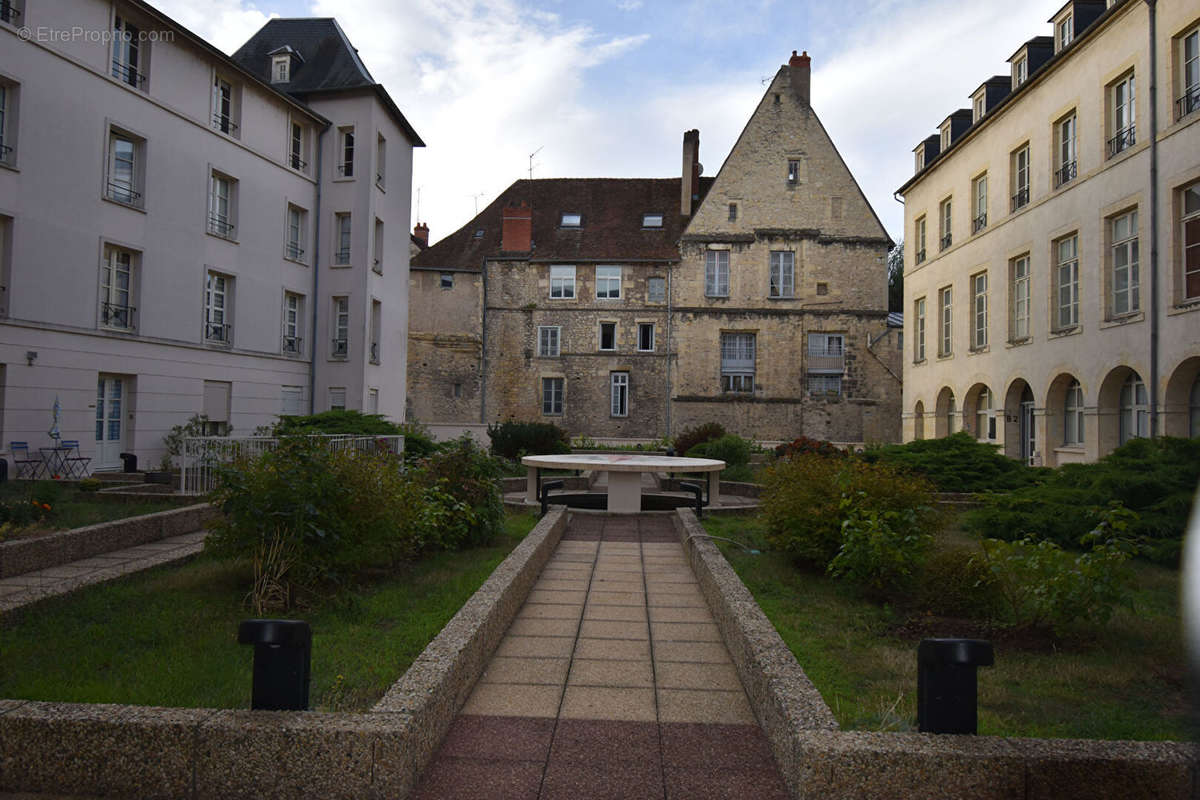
x,y
221,226
1065,174
341,348
122,193
224,123
1189,102
826,359
4,151
8,12
220,332
920,256
1021,198
341,257
1123,140
127,74
946,241
346,169
114,315
377,266
202,456
379,179
979,223
294,251
293,345
374,352
297,162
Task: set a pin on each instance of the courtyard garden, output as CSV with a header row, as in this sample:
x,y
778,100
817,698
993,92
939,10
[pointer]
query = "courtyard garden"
x,y
35,508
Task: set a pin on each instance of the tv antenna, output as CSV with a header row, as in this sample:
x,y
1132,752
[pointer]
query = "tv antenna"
x,y
531,155
418,204
476,197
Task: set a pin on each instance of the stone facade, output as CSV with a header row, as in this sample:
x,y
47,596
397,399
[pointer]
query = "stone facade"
x,y
445,346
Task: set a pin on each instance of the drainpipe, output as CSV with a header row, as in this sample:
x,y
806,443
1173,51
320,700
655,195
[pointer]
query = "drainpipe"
x,y
667,355
1154,431
483,345
316,300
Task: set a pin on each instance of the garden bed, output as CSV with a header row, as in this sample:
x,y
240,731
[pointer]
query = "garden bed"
x,y
71,507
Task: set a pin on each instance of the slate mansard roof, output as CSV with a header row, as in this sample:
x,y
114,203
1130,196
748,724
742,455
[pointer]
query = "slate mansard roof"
x,y
610,230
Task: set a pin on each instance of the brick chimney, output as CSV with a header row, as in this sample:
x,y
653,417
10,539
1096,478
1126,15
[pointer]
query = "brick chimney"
x,y
517,228
689,189
421,234
801,69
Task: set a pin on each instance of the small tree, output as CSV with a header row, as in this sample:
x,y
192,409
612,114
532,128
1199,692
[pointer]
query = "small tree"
x,y
895,270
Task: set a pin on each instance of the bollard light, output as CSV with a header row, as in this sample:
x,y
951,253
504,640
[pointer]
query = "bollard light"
x,y
947,691
282,655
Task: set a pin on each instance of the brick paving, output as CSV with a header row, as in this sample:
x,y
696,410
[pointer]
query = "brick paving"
x,y
23,589
612,682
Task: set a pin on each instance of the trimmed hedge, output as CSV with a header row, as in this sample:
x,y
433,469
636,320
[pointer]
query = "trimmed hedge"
x,y
958,463
514,439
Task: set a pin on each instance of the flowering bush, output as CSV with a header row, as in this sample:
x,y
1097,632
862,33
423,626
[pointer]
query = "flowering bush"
x,y
804,444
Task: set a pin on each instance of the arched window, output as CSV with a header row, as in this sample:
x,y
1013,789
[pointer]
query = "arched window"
x,y
1134,408
1073,415
985,417
951,415
1194,409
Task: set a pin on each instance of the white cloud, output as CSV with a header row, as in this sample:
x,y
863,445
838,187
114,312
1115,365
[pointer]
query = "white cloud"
x,y
224,23
629,5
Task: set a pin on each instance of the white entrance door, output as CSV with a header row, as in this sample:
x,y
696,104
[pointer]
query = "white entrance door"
x,y
110,427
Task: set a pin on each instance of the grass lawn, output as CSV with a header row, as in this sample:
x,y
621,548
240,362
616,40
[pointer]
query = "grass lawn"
x,y
1125,681
74,509
168,636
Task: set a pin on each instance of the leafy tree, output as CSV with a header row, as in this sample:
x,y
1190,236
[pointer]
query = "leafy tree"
x,y
895,269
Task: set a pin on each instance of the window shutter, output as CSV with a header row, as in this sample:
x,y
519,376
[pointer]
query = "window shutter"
x,y
216,400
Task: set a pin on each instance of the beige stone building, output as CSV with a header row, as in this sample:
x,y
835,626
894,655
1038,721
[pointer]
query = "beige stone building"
x,y
1052,277
635,308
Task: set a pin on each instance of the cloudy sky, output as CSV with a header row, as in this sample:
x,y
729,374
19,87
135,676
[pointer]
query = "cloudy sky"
x,y
605,88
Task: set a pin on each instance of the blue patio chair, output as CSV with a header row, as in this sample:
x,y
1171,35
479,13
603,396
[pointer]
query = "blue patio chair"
x,y
75,462
26,464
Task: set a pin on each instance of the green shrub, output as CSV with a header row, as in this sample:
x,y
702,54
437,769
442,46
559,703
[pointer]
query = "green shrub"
x,y
730,448
337,422
955,582
464,472
802,502
691,437
957,463
173,440
90,485
804,444
514,439
881,551
46,493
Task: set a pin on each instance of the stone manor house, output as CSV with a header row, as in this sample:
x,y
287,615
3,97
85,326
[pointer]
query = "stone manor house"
x,y
636,308
183,231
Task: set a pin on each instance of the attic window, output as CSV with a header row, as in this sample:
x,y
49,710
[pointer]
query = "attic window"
x,y
571,220
281,67
793,171
479,233
652,220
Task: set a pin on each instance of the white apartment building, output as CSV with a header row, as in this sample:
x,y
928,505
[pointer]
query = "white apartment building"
x,y
1052,266
185,232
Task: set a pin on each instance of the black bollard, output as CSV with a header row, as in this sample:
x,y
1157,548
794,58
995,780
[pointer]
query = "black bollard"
x,y
947,685
282,656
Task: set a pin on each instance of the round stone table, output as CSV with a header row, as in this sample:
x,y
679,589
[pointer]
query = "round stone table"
x,y
624,474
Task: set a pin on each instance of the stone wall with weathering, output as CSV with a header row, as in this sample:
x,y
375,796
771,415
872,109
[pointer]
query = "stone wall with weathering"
x,y
445,346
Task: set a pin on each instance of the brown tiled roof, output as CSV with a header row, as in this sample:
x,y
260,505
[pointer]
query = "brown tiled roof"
x,y
611,229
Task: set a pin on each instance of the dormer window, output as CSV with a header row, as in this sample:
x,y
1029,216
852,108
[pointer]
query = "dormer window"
x,y
652,220
1066,31
281,68
479,233
946,137
1020,71
920,157
571,220
978,107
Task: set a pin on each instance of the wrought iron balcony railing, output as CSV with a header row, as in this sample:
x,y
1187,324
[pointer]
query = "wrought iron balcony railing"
x,y
1188,103
946,241
374,352
128,74
379,179
377,266
114,315
341,348
218,332
220,226
346,169
293,251
4,151
826,359
123,193
224,123
9,12
920,256
293,345
1122,141
1021,198
296,162
342,256
1065,174
979,223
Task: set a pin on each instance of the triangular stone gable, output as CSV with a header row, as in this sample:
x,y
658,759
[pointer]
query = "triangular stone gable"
x,y
825,197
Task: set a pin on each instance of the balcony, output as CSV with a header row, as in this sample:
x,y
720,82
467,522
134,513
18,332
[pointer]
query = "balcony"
x,y
979,223
1188,103
1122,141
8,12
5,152
921,256
377,266
122,193
341,256
346,169
341,348
113,315
219,225
945,241
128,74
218,333
293,251
1021,198
292,346
1065,174
224,123
297,163
826,360
374,352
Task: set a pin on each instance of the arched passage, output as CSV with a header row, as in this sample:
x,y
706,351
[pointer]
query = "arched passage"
x,y
1020,433
1122,408
947,419
979,412
1181,406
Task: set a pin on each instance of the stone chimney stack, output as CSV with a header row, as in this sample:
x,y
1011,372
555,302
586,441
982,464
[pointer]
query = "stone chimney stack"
x,y
689,190
801,69
516,235
421,234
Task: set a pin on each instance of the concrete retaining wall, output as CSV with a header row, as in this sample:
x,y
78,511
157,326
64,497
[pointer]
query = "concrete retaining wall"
x,y
141,752
819,761
26,555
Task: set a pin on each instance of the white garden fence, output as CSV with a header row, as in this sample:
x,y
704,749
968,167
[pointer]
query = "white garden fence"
x,y
203,454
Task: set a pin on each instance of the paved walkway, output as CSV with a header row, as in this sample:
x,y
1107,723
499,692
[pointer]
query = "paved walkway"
x,y
24,589
612,682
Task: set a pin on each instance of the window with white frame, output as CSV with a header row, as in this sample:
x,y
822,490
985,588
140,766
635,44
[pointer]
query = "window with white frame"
x,y
978,107
10,14
946,223
8,123
1019,292
380,160
1134,410
645,341
296,149
1019,167
826,362
128,61
1020,71
979,311
793,171
218,297
562,283
920,237
656,290
1122,130
946,130
919,324
737,362
1123,258
222,205
979,201
281,68
1073,415
952,418
337,398
1066,31
377,261
1188,99
619,383
372,401
293,324
945,323
293,247
608,336
116,288
125,159
376,331
549,338
552,396
716,273
608,283
1066,282
1189,239
341,240
783,278
919,158
291,400
345,162
985,416
224,106
340,325
824,384
1065,164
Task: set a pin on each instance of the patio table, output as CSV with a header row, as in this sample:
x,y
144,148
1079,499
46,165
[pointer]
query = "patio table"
x,y
624,474
54,461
